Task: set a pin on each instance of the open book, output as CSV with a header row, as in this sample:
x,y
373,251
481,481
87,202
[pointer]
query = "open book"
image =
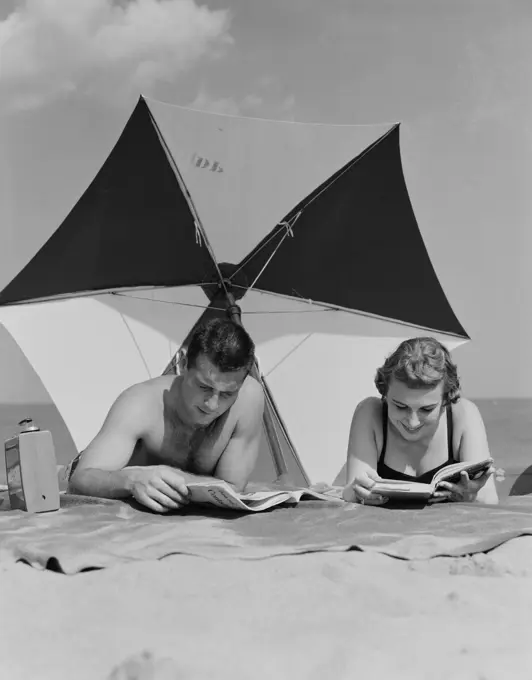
x,y
223,495
405,490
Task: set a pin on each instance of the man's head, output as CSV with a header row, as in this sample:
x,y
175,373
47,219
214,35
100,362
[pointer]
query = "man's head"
x,y
219,357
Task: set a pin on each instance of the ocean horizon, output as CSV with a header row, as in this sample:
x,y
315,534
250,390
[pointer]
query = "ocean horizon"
x,y
508,424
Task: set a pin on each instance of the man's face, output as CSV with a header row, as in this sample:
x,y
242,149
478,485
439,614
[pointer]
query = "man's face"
x,y
208,392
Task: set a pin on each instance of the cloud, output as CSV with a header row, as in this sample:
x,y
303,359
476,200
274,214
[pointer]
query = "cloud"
x,y
53,47
249,105
499,73
287,107
225,105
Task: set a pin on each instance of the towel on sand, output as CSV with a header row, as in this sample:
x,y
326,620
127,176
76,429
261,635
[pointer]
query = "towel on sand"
x,y
94,533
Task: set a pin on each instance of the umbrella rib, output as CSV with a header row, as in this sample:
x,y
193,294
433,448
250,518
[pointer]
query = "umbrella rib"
x,y
285,357
289,226
197,220
169,302
262,245
327,307
97,293
135,342
266,120
220,309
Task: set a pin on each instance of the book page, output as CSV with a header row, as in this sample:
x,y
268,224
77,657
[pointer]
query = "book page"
x,y
451,473
397,489
259,495
223,495
215,494
398,484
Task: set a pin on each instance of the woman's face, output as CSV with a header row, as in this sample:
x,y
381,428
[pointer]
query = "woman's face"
x,y
414,411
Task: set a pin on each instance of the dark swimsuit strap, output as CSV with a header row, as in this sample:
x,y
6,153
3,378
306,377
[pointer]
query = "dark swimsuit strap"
x,y
385,431
450,433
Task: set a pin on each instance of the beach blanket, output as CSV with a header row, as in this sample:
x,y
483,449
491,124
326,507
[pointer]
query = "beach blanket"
x,y
88,533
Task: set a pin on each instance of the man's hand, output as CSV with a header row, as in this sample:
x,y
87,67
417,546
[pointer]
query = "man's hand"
x,y
159,487
465,491
360,490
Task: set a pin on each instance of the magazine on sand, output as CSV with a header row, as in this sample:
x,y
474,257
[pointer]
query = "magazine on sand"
x,y
405,490
223,495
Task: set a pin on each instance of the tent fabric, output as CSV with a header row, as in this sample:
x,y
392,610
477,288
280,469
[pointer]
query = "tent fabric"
x,y
136,223
367,209
183,187
116,532
245,175
131,228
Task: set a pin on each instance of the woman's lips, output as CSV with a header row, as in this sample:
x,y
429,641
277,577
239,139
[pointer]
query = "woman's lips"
x,y
410,430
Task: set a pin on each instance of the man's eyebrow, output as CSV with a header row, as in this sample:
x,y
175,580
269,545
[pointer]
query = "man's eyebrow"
x,y
229,390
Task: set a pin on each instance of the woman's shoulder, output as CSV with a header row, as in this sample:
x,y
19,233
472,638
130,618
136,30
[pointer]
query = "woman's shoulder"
x,y
465,413
369,410
365,438
470,439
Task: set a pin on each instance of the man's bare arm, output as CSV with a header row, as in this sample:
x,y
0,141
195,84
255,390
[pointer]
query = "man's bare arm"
x,y
100,471
238,460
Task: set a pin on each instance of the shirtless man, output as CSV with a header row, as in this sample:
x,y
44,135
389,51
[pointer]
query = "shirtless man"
x,y
163,433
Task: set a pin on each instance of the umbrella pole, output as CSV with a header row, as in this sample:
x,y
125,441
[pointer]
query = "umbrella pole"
x,y
234,313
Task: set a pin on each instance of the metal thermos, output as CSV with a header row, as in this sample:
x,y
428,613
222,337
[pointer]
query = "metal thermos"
x,y
31,469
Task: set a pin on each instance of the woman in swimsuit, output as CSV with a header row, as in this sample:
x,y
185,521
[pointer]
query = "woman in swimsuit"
x,y
420,425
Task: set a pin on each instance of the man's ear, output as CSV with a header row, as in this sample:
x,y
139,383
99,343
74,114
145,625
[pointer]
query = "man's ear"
x,y
182,360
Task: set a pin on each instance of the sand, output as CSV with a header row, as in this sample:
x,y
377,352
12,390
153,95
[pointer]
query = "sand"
x,y
324,615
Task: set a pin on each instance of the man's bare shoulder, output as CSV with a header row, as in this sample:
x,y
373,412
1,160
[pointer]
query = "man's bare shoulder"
x,y
151,387
137,408
141,395
160,383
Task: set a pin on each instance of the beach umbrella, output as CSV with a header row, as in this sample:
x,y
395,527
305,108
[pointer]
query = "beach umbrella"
x,y
305,233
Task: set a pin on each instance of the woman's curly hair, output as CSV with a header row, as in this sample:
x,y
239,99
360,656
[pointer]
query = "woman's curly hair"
x,y
419,363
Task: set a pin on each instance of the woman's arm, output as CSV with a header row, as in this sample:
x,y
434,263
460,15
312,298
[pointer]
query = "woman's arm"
x,y
362,455
473,448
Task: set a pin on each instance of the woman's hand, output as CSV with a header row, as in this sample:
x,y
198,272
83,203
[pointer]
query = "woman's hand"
x,y
360,490
465,490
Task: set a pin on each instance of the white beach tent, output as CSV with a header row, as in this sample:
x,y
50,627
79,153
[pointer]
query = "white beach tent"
x,y
308,228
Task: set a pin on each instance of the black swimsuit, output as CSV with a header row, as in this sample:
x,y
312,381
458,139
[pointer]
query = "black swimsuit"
x,y
389,473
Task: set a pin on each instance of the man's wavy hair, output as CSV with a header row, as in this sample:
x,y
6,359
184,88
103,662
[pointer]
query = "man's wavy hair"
x,y
420,363
225,343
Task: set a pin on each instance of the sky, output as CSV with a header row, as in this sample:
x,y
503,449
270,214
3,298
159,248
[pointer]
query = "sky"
x,y
457,74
